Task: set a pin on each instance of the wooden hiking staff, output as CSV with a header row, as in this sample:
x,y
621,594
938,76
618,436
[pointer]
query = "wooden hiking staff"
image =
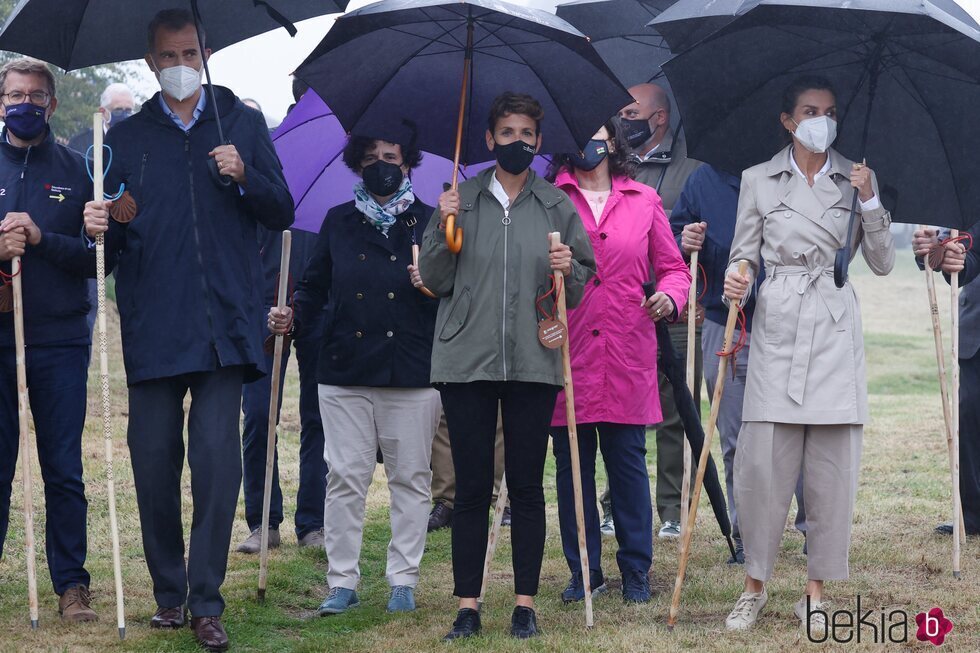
x,y
270,452
941,363
454,236
498,517
97,194
583,551
16,267
692,302
733,309
415,261
954,283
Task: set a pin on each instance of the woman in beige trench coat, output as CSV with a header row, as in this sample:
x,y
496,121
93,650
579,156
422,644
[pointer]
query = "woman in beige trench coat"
x,y
806,394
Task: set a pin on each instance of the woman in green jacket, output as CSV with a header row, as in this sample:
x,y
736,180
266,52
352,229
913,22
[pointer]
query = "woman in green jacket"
x,y
486,349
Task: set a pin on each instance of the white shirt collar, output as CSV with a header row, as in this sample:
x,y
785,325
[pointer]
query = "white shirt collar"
x,y
498,191
820,173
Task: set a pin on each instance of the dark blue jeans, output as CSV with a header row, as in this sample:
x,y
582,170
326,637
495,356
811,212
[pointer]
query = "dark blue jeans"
x,y
312,468
624,452
56,379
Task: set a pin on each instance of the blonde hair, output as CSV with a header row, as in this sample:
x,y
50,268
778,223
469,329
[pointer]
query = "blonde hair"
x,y
27,66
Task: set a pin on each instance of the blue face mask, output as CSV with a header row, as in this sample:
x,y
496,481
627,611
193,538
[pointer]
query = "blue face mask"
x,y
119,115
26,121
590,158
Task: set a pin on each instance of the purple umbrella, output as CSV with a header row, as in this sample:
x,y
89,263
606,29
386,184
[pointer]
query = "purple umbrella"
x,y
310,142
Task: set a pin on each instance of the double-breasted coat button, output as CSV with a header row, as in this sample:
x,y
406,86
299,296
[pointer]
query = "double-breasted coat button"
x,y
359,295
394,258
603,235
361,257
596,282
837,213
796,255
595,332
359,334
390,333
787,214
391,295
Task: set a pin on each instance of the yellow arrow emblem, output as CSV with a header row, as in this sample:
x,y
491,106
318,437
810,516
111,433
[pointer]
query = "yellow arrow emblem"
x,y
60,197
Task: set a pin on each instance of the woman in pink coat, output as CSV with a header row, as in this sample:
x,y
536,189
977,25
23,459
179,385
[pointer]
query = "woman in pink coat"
x,y
613,348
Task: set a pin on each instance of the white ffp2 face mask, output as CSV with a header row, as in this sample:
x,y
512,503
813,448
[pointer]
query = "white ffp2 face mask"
x,y
816,134
180,82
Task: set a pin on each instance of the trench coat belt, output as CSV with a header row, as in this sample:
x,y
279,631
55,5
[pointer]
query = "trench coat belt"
x,y
816,284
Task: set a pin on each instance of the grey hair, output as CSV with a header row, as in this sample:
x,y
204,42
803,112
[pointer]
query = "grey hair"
x,y
112,90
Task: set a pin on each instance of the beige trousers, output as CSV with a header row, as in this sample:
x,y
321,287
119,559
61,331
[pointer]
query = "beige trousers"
x,y
443,472
402,421
768,461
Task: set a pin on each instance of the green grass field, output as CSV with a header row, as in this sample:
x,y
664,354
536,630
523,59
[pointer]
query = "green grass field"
x,y
896,560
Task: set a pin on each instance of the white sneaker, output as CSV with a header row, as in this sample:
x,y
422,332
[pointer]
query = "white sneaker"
x,y
608,526
815,622
746,611
671,530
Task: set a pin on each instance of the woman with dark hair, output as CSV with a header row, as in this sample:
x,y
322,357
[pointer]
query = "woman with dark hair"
x,y
806,400
613,348
487,353
373,370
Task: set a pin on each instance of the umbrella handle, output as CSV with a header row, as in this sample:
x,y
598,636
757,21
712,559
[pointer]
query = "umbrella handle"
x,y
415,261
454,236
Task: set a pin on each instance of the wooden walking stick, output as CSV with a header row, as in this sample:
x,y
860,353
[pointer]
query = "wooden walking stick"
x,y
583,551
16,267
97,193
692,302
498,517
954,283
941,363
733,309
270,452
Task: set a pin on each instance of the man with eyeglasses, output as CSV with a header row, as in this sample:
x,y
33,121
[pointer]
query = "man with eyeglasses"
x,y
43,189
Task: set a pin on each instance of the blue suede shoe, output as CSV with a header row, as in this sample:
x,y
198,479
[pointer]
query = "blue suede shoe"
x,y
636,587
339,600
402,599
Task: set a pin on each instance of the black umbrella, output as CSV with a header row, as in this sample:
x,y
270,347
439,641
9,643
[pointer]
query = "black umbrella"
x,y
673,369
83,33
440,64
907,74
619,32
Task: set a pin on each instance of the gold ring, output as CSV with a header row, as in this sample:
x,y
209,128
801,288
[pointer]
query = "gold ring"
x,y
858,166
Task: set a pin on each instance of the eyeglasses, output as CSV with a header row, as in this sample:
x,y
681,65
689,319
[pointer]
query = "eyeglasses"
x,y
38,98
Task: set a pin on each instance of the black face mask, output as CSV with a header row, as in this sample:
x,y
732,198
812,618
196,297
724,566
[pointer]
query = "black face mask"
x,y
590,158
514,157
382,178
637,131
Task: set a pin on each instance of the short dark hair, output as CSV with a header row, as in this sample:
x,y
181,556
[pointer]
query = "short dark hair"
x,y
299,88
801,85
172,20
508,103
620,162
357,147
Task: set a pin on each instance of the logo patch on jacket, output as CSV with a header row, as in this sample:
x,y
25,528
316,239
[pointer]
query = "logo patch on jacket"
x,y
57,193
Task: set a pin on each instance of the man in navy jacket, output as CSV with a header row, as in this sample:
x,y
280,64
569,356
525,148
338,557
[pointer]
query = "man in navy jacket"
x,y
43,187
189,291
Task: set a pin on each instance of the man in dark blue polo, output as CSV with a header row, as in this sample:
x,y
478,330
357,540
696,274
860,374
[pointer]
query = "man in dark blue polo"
x,y
43,187
189,290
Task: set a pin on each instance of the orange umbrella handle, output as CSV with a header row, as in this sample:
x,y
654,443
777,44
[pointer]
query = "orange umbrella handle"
x,y
454,236
415,261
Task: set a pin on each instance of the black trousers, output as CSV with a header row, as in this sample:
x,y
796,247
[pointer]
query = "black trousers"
x,y
471,414
214,454
970,442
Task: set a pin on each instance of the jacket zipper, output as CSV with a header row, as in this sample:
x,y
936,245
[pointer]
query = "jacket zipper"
x,y
22,199
143,168
197,242
503,315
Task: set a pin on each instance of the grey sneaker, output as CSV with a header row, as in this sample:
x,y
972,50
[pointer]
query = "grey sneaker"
x,y
812,617
339,600
608,527
746,611
253,542
402,599
312,539
670,530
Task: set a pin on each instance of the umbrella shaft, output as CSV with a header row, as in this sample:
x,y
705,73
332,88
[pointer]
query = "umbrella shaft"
x,y
464,90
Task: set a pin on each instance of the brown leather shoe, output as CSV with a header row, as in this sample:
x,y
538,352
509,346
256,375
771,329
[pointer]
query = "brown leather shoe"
x,y
75,605
169,618
210,633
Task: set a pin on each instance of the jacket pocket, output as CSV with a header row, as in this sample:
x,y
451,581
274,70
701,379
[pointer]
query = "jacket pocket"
x,y
457,315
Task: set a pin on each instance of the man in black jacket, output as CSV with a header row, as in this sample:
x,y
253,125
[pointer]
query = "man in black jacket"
x,y
188,287
43,187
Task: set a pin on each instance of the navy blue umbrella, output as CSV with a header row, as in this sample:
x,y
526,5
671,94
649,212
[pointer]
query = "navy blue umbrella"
x,y
907,74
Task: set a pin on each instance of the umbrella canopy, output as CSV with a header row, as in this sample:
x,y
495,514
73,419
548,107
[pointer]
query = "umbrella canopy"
x,y
907,75
619,32
310,142
404,59
84,33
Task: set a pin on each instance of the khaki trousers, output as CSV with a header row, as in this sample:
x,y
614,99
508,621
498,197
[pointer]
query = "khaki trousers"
x,y
768,462
402,421
443,474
